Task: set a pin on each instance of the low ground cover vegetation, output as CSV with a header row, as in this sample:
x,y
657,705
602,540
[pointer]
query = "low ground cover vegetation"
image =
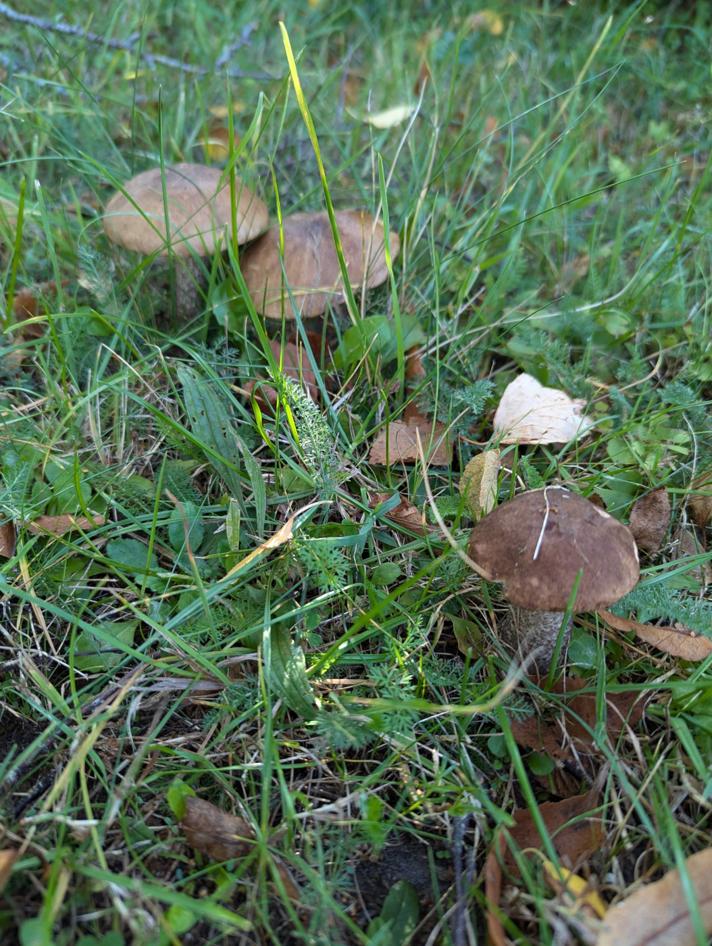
x,y
387,269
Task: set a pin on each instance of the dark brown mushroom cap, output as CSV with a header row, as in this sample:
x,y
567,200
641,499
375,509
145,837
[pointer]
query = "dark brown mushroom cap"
x,y
571,535
199,211
311,263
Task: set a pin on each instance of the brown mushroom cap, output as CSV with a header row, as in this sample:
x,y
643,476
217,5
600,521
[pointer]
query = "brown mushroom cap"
x,y
311,264
199,211
572,535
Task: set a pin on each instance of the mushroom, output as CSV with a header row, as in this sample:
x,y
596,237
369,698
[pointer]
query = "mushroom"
x,y
311,265
536,544
199,211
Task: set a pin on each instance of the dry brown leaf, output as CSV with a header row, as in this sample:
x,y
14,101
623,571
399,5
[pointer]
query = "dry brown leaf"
x,y
60,525
686,544
568,739
214,832
573,842
397,442
650,519
7,540
295,365
531,413
414,368
677,641
7,859
701,500
405,514
658,914
478,482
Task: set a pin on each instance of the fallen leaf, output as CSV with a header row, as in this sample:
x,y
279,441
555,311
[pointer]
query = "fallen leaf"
x,y
686,544
216,142
650,519
701,499
214,832
397,442
7,859
531,413
677,641
478,482
659,913
405,514
486,20
295,365
576,889
7,540
567,738
60,525
414,368
389,117
280,537
573,842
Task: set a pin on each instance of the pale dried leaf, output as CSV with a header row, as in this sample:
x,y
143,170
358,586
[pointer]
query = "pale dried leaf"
x,y
7,540
687,544
60,525
214,832
650,519
389,117
280,537
478,483
487,20
701,498
658,914
397,442
677,641
576,892
531,413
571,272
7,859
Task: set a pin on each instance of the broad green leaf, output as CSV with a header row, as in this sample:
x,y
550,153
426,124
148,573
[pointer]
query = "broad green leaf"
x,y
92,653
186,520
398,918
287,672
376,334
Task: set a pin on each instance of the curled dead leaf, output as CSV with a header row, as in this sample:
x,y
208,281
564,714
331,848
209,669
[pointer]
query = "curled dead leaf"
x,y
405,514
280,537
389,117
528,412
7,860
659,913
60,525
701,498
7,540
397,442
214,832
650,519
478,483
574,837
676,641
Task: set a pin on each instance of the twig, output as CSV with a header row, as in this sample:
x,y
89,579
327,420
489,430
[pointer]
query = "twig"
x,y
129,44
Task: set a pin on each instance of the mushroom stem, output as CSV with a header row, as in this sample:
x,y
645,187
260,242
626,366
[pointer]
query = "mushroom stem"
x,y
532,635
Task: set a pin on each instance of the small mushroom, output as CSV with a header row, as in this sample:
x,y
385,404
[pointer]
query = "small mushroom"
x,y
536,544
311,264
199,212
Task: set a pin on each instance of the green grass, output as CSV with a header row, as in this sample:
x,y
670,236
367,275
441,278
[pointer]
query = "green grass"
x,y
344,693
